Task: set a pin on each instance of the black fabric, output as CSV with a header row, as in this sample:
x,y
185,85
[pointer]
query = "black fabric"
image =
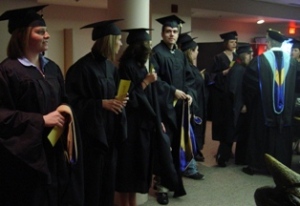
x,y
24,17
199,107
134,165
30,166
103,28
173,73
137,35
268,132
88,81
171,21
222,115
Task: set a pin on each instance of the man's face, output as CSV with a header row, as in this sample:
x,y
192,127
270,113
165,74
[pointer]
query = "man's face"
x,y
170,35
295,53
248,57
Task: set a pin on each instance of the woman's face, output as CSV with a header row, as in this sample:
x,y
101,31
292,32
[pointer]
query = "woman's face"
x,y
38,39
194,53
295,53
118,44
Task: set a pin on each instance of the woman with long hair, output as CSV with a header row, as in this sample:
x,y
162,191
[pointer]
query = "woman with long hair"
x,y
134,170
91,85
33,171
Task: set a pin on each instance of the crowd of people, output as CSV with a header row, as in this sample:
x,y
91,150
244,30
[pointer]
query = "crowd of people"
x,y
131,142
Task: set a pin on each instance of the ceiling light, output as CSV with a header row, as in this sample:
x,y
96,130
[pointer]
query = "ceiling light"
x,y
261,21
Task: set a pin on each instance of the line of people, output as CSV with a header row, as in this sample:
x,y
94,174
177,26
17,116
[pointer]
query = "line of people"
x,y
254,102
124,141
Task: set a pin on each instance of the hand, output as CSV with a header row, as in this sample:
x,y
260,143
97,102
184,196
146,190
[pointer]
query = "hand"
x,y
180,94
114,105
225,72
190,99
163,127
54,118
151,77
244,109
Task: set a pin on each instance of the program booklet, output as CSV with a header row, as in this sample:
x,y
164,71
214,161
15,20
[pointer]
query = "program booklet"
x,y
123,88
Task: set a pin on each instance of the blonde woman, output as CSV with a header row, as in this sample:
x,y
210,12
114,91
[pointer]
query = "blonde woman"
x,y
91,85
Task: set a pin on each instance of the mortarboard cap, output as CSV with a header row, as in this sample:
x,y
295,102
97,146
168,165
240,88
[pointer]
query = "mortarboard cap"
x,y
276,35
296,44
184,37
171,21
103,28
24,17
244,48
188,45
137,35
229,35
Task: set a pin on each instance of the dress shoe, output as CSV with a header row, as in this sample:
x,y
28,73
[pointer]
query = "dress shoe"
x,y
199,158
162,198
248,170
222,164
196,176
220,161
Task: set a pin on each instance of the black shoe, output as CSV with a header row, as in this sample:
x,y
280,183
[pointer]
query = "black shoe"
x,y
220,161
196,176
222,164
162,198
199,158
248,170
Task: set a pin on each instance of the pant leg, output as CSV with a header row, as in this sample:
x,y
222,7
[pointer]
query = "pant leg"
x,y
191,168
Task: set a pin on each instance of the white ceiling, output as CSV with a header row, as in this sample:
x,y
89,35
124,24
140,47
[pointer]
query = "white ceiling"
x,y
195,12
295,3
239,17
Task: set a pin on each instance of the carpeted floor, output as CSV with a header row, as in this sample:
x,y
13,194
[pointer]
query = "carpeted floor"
x,y
222,186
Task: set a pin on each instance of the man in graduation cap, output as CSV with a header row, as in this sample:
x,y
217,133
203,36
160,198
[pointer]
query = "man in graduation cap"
x,y
269,88
174,87
235,79
295,53
91,85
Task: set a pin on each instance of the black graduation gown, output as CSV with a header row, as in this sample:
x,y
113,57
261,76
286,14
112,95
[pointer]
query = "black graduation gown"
x,y
235,80
221,114
173,73
296,121
269,132
134,168
32,172
199,107
88,81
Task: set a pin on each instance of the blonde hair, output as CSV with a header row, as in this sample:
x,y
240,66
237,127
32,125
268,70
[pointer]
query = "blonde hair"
x,y
188,54
106,46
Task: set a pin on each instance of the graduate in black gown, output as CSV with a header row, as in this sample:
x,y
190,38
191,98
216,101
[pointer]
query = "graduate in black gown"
x,y
33,172
201,92
173,87
134,168
91,85
198,108
295,53
269,88
222,118
239,110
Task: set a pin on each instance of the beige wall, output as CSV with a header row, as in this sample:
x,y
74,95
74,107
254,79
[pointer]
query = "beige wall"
x,y
57,19
60,17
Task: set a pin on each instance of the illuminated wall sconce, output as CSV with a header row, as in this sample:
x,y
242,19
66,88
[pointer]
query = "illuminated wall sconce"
x,y
292,30
261,21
